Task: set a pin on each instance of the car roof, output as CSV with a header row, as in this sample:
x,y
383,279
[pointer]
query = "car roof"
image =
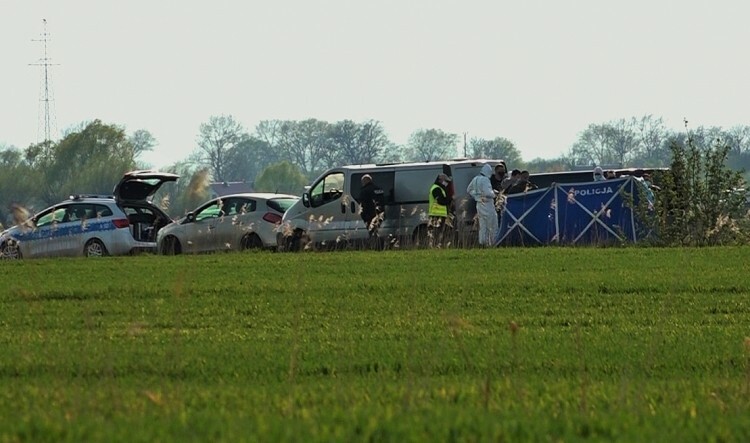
x,y
89,199
257,195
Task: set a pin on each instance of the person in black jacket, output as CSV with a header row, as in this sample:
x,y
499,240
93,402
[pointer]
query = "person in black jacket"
x,y
372,201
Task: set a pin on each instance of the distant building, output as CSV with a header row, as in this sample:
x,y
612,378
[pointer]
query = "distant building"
x,y
219,189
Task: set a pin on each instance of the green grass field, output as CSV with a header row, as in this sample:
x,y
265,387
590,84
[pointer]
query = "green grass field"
x,y
546,344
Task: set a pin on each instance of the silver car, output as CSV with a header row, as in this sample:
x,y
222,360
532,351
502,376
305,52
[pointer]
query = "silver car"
x,y
91,225
234,222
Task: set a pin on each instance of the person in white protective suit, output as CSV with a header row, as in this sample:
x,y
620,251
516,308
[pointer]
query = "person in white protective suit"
x,y
481,190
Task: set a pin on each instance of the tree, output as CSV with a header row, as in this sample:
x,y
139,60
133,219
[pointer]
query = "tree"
x,y
498,148
89,160
538,165
392,153
652,138
431,144
142,141
19,183
610,143
305,144
269,131
216,137
737,139
247,159
698,203
355,143
282,177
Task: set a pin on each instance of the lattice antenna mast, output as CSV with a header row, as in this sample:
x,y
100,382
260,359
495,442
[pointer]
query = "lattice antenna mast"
x,y
45,63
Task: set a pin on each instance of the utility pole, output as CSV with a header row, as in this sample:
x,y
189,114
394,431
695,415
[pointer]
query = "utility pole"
x,y
464,144
45,100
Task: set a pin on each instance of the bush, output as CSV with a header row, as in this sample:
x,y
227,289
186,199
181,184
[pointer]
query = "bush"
x,y
701,201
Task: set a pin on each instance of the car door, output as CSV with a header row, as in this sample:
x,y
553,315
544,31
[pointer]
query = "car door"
x,y
242,218
200,229
45,239
327,218
227,228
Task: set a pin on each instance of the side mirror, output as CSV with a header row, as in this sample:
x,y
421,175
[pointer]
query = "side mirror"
x,y
190,217
306,199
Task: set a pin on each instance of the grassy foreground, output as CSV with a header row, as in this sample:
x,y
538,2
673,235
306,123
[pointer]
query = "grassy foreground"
x,y
539,344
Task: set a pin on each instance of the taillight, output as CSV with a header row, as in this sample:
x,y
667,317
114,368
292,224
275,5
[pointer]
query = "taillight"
x,y
121,223
271,217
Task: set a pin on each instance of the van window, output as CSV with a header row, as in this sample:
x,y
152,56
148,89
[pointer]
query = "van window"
x,y
330,188
413,186
383,179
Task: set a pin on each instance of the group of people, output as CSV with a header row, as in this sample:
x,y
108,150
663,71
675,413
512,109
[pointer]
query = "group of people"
x,y
514,183
484,189
644,178
488,189
600,175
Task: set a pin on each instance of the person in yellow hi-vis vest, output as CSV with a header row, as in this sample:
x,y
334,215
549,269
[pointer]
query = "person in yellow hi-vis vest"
x,y
439,207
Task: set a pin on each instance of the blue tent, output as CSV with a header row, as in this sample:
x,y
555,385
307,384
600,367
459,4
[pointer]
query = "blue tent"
x,y
578,213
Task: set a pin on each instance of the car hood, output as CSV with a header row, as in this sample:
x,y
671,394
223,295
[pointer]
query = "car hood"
x,y
140,185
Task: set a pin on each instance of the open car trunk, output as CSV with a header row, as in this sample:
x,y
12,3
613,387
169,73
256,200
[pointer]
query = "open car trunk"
x,y
145,221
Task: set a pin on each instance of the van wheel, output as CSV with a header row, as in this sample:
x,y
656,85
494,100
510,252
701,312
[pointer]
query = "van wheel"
x,y
170,246
10,251
94,248
251,241
294,242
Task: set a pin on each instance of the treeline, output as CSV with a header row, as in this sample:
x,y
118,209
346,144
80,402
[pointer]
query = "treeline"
x,y
284,155
232,153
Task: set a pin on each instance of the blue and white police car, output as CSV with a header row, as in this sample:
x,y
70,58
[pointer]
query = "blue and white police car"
x,y
91,225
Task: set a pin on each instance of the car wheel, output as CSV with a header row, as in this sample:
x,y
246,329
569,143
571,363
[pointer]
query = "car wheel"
x,y
171,246
10,251
251,241
94,248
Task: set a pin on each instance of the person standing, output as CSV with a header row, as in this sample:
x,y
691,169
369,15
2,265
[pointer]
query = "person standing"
x,y
599,175
481,191
372,201
438,210
498,177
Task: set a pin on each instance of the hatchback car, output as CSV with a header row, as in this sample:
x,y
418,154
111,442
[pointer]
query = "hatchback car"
x,y
234,222
93,225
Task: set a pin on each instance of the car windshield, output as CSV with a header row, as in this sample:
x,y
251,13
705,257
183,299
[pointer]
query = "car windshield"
x,y
281,204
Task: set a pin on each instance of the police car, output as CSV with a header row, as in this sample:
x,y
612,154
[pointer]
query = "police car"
x,y
92,225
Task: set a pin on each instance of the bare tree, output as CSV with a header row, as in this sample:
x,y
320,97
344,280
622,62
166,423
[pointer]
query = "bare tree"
x,y
269,131
305,144
738,139
355,143
652,135
216,137
605,144
142,141
431,144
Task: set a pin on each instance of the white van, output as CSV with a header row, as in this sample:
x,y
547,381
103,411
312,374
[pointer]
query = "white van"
x,y
328,214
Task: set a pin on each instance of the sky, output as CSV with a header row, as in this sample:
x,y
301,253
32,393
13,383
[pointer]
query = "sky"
x,y
537,72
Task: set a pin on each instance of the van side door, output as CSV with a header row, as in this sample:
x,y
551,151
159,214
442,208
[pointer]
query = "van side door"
x,y
355,225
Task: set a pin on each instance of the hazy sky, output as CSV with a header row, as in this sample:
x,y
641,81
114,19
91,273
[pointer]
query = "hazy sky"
x,y
535,72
